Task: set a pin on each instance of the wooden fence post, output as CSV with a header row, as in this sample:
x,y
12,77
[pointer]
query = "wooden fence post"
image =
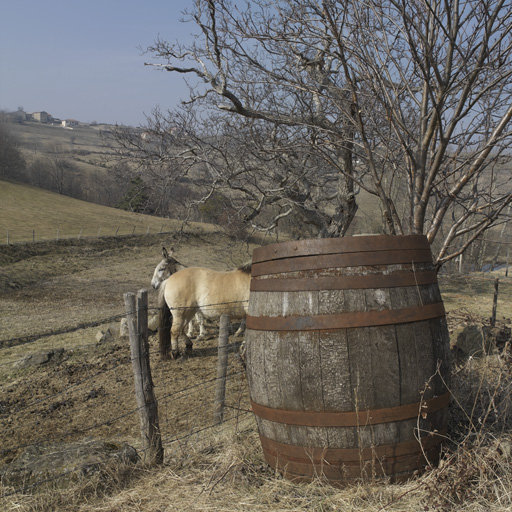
x,y
222,367
495,302
137,320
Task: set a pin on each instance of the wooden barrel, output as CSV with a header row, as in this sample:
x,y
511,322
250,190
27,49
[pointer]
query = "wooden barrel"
x,y
348,357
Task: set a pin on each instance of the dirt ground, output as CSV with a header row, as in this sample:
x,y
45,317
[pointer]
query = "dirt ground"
x,y
86,390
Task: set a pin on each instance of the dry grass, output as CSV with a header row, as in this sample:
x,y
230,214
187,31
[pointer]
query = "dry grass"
x,y
473,294
27,212
223,469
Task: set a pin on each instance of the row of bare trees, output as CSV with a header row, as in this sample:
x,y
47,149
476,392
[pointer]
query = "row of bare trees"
x,y
305,113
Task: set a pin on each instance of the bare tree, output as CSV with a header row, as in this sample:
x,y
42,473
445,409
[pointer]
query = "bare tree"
x,y
59,170
296,106
12,163
151,155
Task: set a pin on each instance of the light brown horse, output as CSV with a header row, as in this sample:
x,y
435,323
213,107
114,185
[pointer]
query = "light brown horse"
x,y
191,290
163,270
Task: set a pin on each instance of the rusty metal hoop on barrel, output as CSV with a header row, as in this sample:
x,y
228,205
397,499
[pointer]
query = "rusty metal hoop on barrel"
x,y
348,357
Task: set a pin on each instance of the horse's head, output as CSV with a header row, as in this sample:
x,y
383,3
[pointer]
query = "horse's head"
x,y
165,268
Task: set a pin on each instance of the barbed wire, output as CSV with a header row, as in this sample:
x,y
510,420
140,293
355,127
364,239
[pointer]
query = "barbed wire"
x,y
31,338
75,347
38,483
109,421
166,442
80,431
88,379
65,390
203,306
10,342
84,466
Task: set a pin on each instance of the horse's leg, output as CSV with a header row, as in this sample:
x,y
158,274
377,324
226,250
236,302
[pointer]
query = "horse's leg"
x,y
186,319
202,330
241,329
190,329
242,353
188,345
164,327
176,330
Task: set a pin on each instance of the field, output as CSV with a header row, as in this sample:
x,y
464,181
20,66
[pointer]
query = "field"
x,y
50,286
83,141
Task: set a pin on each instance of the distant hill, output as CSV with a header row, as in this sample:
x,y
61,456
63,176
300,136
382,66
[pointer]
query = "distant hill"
x,y
48,149
80,141
28,212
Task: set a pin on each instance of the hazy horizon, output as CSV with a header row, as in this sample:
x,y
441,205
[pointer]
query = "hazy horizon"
x,y
83,61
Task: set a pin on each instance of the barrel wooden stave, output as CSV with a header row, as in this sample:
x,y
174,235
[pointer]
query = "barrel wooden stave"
x,y
346,369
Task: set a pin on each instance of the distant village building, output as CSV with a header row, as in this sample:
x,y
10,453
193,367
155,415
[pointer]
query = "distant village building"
x,y
42,117
19,116
69,123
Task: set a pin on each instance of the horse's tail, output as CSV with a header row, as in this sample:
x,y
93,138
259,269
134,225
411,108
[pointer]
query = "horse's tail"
x,y
246,268
164,323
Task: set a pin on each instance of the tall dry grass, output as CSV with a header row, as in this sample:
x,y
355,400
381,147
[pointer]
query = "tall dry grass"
x,y
223,469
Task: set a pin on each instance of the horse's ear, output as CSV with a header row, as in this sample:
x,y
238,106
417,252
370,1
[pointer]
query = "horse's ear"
x,y
167,255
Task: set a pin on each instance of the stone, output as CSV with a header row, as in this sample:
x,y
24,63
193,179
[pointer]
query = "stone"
x,y
123,328
64,461
41,358
475,341
153,323
104,336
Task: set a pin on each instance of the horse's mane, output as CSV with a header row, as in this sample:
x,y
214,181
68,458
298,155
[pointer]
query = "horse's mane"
x,y
246,267
170,259
161,296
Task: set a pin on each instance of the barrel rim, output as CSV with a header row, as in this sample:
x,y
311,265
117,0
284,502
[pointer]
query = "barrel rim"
x,y
319,246
344,282
342,472
318,455
350,320
352,418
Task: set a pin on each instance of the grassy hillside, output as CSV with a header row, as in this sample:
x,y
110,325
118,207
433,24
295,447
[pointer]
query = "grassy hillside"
x,y
28,213
38,138
51,287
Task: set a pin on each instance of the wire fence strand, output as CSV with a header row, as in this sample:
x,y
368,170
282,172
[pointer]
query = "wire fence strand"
x,y
180,421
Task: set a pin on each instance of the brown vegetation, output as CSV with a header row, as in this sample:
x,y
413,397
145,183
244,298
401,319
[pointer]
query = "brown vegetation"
x,y
49,286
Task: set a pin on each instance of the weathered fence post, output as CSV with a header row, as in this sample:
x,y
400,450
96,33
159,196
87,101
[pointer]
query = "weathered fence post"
x,y
495,302
508,259
137,320
222,366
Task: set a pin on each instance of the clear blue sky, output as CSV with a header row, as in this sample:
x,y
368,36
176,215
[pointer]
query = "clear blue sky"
x,y
79,59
